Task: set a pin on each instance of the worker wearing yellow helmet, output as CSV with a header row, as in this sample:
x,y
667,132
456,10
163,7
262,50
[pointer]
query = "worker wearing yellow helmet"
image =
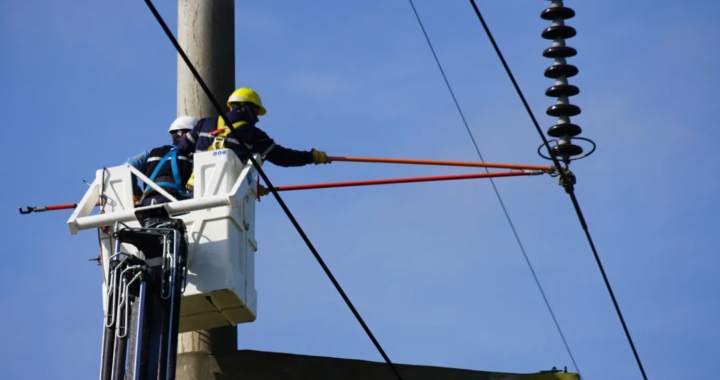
x,y
245,107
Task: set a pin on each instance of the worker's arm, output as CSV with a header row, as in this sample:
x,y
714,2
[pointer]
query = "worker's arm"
x,y
138,162
278,155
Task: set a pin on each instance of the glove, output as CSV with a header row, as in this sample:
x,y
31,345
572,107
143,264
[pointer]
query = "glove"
x,y
263,190
320,157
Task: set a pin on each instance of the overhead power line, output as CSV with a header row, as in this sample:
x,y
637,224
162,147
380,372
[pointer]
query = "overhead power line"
x,y
272,188
497,193
569,189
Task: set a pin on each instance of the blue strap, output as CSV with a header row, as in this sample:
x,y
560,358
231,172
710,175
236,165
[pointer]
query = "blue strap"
x,y
170,184
175,170
160,165
172,154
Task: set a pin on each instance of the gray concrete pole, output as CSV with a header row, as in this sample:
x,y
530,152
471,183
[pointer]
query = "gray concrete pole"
x,y
206,31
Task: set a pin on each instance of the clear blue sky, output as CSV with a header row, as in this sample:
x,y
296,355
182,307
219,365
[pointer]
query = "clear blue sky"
x,y
433,268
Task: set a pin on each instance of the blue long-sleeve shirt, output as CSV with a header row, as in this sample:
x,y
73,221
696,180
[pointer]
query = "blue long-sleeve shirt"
x,y
138,161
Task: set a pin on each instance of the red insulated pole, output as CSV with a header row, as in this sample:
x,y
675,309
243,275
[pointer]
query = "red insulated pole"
x,y
442,163
60,207
403,180
50,208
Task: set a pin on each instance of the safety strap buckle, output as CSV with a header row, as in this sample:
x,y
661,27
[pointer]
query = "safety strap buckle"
x,y
219,141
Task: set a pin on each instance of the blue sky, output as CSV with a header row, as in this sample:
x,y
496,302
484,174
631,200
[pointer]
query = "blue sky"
x,y
433,268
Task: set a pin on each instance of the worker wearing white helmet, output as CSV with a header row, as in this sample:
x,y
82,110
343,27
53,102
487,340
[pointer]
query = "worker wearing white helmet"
x,y
180,127
164,165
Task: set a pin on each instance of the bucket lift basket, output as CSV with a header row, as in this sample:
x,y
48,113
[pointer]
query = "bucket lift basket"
x,y
220,222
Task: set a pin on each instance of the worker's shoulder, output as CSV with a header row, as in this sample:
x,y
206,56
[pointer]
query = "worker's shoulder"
x,y
158,151
207,122
162,147
257,132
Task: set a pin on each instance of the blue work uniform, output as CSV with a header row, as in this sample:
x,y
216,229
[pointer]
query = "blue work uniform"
x,y
200,139
165,166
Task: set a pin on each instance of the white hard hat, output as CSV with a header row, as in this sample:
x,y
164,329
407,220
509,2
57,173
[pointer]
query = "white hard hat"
x,y
182,123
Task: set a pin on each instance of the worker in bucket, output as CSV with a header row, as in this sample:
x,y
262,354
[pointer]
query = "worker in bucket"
x,y
245,107
165,165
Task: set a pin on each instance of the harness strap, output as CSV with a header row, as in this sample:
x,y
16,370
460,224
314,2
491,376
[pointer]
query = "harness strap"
x,y
160,164
172,155
221,134
175,170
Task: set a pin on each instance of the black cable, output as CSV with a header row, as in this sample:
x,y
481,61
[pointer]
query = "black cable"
x,y
502,204
272,188
569,190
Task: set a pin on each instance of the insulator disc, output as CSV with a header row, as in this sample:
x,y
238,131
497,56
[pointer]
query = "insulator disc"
x,y
556,71
559,130
562,90
558,110
559,31
557,12
559,52
568,149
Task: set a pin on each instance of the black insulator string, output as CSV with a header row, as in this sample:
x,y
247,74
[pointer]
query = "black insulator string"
x,y
569,189
272,188
497,193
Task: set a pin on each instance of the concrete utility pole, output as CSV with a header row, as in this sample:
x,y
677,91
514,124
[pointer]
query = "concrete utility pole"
x,y
206,31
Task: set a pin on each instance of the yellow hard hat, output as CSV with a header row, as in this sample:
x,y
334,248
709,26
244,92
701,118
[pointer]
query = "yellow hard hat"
x,y
246,95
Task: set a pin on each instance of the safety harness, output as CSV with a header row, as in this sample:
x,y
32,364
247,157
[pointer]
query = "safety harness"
x,y
172,156
221,134
177,185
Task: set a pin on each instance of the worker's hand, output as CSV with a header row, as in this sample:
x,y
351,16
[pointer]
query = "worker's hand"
x,y
263,190
320,157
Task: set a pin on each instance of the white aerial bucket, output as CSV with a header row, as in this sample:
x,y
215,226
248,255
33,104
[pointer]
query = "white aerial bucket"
x,y
220,222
